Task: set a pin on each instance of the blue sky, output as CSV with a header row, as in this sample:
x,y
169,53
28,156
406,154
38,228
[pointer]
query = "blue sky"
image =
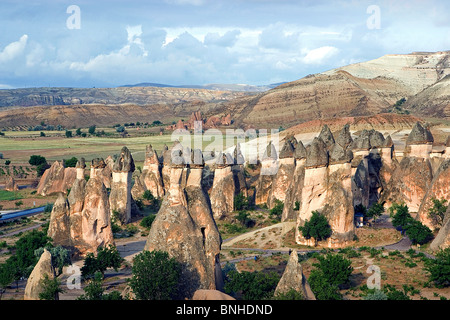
x,y
206,41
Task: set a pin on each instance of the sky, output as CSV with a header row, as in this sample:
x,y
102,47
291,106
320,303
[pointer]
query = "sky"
x,y
80,43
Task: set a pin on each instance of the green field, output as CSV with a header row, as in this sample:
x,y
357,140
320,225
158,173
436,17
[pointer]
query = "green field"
x,y
18,146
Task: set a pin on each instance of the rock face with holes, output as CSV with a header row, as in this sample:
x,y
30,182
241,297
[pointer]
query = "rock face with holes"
x,y
42,269
294,279
294,192
56,179
269,168
223,189
366,166
442,239
81,223
439,189
413,176
185,228
120,199
283,177
327,188
150,178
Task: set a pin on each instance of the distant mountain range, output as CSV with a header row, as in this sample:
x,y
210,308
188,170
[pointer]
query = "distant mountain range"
x,y
215,86
417,84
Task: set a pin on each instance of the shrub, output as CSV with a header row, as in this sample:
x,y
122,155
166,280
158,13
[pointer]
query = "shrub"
x,y
106,258
277,210
7,162
50,288
244,218
68,134
147,221
148,195
71,163
375,211
417,232
91,129
240,202
439,268
36,160
253,285
437,212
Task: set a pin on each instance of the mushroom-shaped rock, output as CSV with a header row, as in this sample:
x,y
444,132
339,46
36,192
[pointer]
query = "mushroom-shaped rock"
x,y
316,154
338,154
287,151
300,151
344,138
419,135
294,279
327,136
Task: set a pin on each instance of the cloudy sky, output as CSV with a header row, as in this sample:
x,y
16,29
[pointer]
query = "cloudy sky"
x,y
80,43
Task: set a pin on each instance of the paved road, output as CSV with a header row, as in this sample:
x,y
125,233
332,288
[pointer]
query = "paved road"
x,y
22,213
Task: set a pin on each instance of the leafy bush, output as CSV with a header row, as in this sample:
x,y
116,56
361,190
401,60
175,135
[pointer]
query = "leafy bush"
x,y
375,211
36,160
240,202
147,221
252,285
437,211
417,232
277,210
71,163
439,268
106,258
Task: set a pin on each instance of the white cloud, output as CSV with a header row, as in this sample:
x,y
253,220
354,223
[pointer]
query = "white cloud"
x,y
13,49
320,55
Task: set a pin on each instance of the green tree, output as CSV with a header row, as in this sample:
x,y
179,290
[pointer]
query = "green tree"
x,y
147,221
252,285
277,210
439,268
437,211
68,134
244,218
6,277
317,227
36,160
400,215
155,276
51,288
106,258
147,195
417,232
375,211
91,129
78,132
42,134
240,202
60,258
40,169
94,290
24,258
71,163
332,271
